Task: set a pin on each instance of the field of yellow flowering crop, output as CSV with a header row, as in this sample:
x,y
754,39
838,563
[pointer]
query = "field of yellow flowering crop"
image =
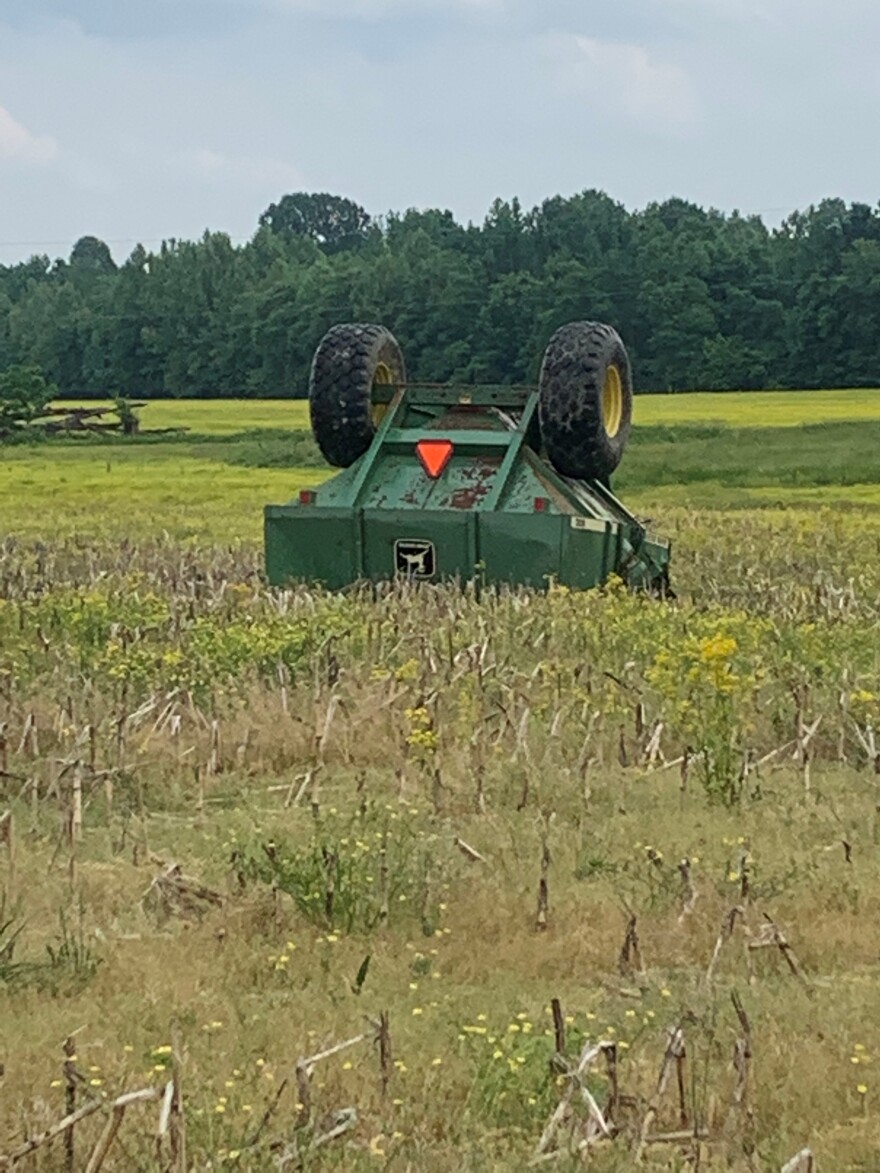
x,y
417,880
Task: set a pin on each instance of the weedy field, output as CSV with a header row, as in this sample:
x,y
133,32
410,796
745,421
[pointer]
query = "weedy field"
x,y
420,880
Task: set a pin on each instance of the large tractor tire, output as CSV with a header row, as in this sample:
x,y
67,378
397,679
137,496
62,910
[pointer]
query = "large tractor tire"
x,y
585,400
350,362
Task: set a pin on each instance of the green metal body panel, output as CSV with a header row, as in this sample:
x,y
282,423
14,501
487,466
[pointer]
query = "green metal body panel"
x,y
498,513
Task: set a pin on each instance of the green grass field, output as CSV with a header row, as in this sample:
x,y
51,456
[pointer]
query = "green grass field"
x,y
715,451
756,409
139,491
240,827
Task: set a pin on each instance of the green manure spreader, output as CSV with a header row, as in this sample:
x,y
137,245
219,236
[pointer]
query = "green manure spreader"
x,y
493,484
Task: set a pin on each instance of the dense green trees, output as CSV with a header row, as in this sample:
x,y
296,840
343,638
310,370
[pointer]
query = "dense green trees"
x,y
333,222
703,299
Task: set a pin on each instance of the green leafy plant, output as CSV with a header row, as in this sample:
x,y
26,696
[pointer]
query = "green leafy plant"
x,y
11,928
72,963
351,878
24,396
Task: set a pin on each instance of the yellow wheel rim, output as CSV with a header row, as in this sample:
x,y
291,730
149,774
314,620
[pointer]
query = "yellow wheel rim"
x,y
382,378
612,401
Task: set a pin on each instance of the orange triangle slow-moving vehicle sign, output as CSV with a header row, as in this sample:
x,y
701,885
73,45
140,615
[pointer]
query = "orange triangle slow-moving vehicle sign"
x,y
434,455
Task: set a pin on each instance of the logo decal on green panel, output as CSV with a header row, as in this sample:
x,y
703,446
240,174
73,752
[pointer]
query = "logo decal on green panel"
x,y
415,558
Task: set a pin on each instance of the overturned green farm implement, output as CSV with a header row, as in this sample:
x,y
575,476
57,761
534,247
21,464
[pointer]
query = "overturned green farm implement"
x,y
495,484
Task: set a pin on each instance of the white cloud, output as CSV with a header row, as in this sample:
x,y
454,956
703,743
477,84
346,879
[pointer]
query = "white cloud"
x,y
16,142
620,78
249,170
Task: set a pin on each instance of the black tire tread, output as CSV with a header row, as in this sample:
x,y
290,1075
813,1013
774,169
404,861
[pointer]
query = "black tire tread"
x,y
570,407
341,388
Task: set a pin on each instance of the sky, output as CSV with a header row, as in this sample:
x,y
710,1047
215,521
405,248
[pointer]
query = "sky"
x,y
143,120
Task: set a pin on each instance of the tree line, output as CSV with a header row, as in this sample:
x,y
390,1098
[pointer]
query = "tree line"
x,y
703,299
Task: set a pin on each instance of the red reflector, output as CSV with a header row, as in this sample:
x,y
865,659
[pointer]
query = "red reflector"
x,y
541,504
434,455
306,497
